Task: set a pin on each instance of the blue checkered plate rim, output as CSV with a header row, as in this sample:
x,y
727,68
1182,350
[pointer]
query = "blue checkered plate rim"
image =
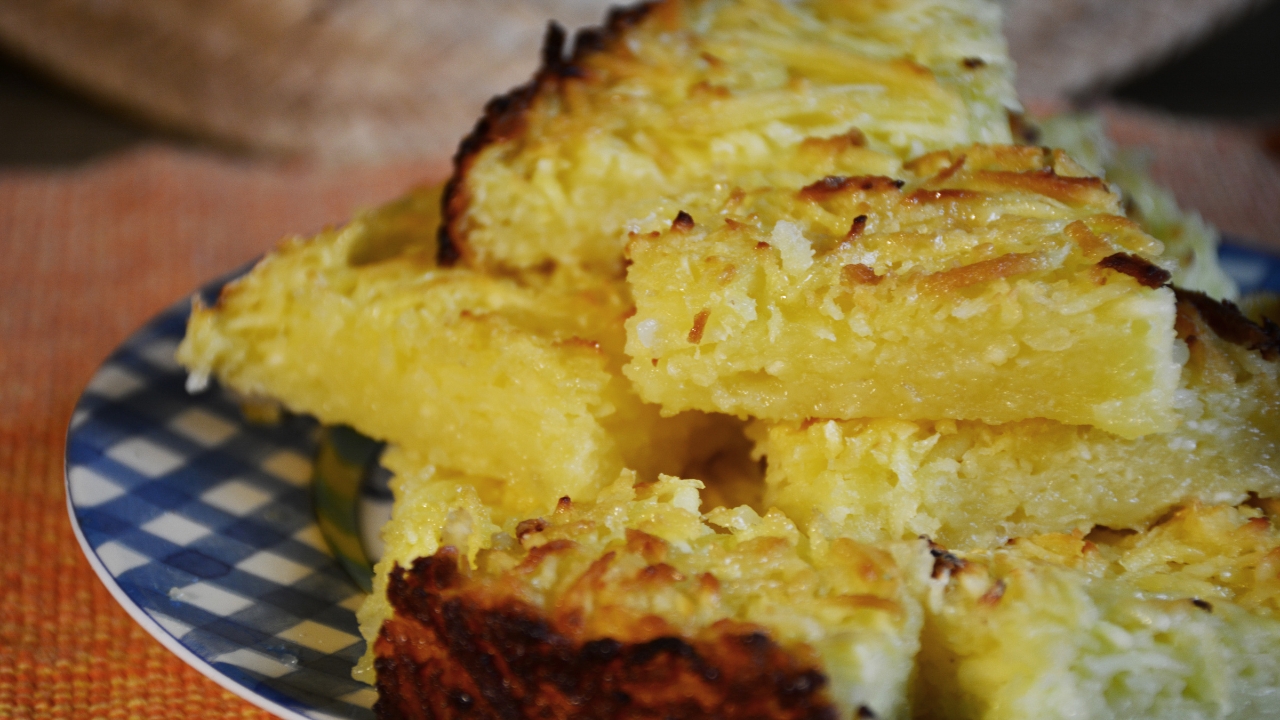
x,y
204,526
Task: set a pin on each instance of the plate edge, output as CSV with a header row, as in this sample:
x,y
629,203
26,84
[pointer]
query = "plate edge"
x,y
152,627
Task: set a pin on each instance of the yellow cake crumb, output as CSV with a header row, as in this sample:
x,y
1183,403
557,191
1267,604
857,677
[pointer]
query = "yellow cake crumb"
x,y
991,285
508,377
1178,622
969,484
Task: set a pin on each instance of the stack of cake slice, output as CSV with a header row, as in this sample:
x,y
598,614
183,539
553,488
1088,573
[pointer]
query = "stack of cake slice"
x,y
754,372
513,378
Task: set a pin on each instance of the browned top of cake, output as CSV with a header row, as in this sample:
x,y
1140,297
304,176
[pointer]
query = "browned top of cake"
x,y
458,646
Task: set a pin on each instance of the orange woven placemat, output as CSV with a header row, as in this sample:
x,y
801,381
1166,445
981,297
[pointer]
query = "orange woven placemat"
x,y
89,255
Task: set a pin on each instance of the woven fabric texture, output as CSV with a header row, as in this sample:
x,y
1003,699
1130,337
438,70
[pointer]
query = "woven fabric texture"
x,y
89,254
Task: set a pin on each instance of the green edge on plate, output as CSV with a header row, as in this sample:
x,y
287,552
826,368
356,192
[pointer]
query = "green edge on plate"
x,y
343,457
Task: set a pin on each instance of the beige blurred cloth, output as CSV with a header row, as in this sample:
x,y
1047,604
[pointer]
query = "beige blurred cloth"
x,y
1065,47
367,79
338,80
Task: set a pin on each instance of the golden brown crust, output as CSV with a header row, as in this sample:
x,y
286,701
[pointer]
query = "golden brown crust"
x,y
1072,191
699,325
504,116
983,271
833,185
456,648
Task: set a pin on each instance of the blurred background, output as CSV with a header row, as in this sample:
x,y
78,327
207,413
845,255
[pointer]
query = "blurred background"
x,y
343,81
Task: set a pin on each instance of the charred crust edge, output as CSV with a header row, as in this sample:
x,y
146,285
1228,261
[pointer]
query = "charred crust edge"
x,y
504,115
1230,324
1024,131
454,648
944,562
835,184
1146,273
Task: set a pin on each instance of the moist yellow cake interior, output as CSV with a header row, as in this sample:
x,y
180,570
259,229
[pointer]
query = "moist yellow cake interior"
x,y
509,377
977,290
969,484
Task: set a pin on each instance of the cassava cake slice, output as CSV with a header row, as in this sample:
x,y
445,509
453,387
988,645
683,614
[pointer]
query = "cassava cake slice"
x,y
505,377
636,606
1176,622
993,283
1190,243
969,484
671,105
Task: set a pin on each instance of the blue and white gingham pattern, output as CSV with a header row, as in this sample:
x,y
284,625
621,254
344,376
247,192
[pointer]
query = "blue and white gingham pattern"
x,y
203,526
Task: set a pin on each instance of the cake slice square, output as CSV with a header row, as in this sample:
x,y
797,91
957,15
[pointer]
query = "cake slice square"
x,y
635,604
1175,622
968,484
992,283
671,105
504,376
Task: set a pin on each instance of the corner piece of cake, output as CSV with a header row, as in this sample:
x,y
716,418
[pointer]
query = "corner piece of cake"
x,y
506,377
993,283
1191,244
968,484
1176,622
637,606
672,104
